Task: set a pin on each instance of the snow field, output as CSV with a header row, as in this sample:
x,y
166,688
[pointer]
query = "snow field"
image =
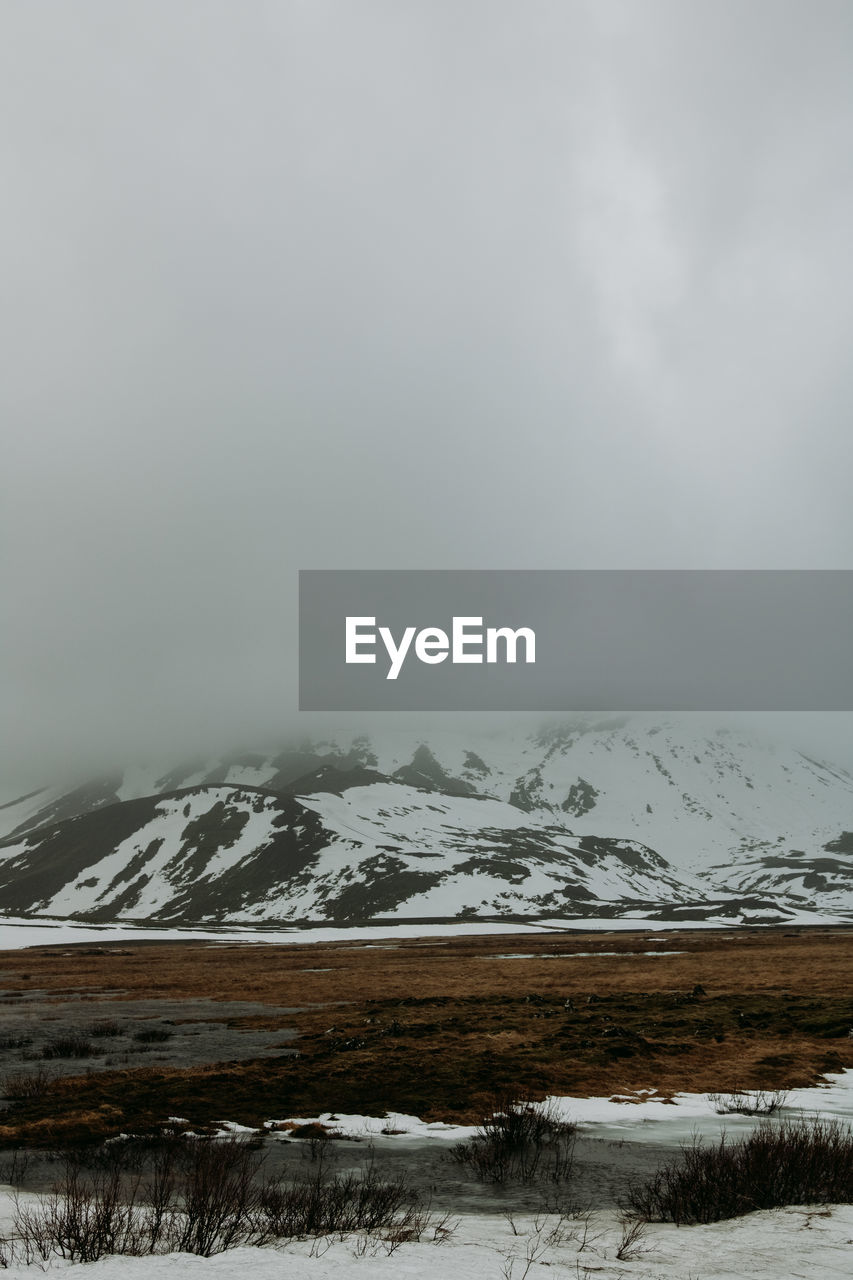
x,y
784,1244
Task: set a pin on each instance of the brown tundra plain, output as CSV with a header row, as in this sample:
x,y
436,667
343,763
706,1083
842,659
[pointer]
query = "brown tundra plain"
x,y
98,1040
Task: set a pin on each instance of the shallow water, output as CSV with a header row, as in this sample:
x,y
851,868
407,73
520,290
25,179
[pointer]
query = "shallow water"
x,y
602,1172
195,1031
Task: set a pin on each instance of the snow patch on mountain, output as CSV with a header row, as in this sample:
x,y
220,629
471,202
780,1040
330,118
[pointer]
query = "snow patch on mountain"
x,y
581,818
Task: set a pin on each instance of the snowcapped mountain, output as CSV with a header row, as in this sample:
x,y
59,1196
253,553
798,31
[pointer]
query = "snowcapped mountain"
x,y
579,820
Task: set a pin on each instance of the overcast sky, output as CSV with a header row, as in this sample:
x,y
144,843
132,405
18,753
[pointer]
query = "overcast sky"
x,y
410,283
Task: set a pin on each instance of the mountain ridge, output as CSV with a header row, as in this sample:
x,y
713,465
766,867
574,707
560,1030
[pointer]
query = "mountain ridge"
x,y
582,818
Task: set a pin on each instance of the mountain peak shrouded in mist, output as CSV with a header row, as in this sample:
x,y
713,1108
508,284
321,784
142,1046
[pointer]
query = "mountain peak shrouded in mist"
x,y
583,819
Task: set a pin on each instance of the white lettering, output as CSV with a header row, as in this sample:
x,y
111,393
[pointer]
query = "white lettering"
x,y
432,645
354,639
511,638
461,638
395,653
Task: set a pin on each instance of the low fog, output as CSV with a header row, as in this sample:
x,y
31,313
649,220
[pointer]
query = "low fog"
x,y
441,284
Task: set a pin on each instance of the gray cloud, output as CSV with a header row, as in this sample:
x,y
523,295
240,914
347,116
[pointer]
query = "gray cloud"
x,y
435,284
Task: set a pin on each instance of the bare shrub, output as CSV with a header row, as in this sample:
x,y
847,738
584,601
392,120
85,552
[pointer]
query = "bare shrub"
x,y
519,1142
198,1197
80,1220
792,1162
203,1196
14,1170
219,1195
744,1102
632,1243
341,1204
543,1236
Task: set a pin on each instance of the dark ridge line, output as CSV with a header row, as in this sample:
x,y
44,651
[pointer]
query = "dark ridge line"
x,y
10,804
155,796
179,792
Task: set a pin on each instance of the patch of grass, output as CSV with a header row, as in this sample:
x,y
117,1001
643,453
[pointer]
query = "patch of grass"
x,y
104,1028
153,1035
18,1085
743,1102
68,1046
313,1131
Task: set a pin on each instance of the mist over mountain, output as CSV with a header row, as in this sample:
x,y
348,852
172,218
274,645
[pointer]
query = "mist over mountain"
x,y
410,286
581,820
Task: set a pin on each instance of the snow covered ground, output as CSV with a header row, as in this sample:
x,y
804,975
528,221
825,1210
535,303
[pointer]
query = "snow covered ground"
x,y
784,1244
19,932
644,1116
16,933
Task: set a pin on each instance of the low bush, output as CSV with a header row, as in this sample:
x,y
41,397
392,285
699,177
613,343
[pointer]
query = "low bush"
x,y
520,1142
792,1162
201,1196
104,1028
152,1035
341,1204
745,1102
70,1046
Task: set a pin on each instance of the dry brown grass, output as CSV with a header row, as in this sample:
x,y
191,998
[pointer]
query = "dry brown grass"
x,y
803,961
439,1029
